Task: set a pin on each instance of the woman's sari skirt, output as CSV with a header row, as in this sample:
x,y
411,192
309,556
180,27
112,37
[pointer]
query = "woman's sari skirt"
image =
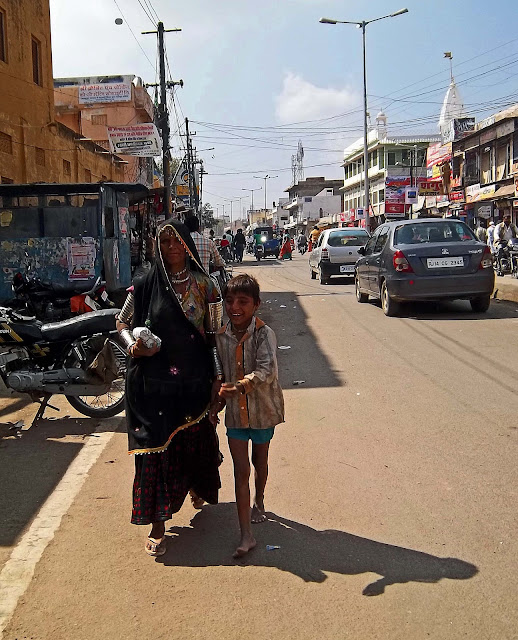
x,y
162,480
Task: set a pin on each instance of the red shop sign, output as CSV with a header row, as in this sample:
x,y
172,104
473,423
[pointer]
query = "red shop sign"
x,y
394,207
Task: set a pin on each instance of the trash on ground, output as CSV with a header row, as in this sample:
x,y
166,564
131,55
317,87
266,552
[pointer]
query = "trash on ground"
x,y
283,347
283,306
299,381
272,547
17,426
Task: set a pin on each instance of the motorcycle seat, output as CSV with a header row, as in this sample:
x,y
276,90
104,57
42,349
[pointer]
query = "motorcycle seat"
x,y
84,325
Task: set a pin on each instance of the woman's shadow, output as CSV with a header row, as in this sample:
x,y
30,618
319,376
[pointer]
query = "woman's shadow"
x,y
305,552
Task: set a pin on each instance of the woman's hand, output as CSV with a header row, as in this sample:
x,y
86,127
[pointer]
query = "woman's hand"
x,y
139,350
213,414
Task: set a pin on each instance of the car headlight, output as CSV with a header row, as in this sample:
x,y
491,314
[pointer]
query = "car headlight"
x,y
263,238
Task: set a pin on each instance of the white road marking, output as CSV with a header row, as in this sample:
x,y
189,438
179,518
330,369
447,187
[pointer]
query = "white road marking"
x,y
18,571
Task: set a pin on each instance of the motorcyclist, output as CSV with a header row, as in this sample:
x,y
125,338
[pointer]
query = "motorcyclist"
x,y
504,231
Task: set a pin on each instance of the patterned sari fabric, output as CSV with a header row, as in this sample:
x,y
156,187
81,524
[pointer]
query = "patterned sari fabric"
x,y
168,394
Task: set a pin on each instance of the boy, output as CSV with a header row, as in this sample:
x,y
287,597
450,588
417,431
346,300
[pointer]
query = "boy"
x,y
253,397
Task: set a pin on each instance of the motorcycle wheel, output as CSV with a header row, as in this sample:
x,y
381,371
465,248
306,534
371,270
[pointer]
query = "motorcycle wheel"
x,y
112,402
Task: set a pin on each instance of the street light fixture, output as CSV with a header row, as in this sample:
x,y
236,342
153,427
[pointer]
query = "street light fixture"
x,y
265,178
361,25
251,198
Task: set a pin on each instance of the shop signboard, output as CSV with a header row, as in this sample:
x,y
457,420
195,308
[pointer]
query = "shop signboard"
x,y
487,191
428,188
359,214
135,140
397,181
473,193
430,201
487,136
438,153
484,211
456,196
411,196
395,194
102,93
392,208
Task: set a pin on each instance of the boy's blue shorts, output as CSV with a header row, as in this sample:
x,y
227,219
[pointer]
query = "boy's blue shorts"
x,y
257,436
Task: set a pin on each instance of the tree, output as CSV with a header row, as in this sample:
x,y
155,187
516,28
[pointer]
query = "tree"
x,y
207,216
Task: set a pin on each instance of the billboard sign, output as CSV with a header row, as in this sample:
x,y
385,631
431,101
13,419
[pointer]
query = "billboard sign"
x,y
100,93
135,140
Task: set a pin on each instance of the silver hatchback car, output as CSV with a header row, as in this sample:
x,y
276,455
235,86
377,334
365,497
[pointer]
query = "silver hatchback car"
x,y
336,253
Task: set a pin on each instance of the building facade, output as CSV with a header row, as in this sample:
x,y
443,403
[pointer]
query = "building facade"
x,y
311,201
484,169
395,162
90,105
34,147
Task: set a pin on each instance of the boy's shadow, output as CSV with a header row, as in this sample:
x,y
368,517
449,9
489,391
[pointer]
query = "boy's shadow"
x,y
305,552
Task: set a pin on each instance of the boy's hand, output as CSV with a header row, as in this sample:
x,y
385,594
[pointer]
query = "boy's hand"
x,y
228,390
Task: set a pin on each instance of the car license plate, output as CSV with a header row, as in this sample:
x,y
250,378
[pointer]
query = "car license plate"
x,y
346,268
438,263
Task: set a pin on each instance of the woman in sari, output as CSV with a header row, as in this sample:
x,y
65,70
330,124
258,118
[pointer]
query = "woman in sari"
x,y
169,387
286,249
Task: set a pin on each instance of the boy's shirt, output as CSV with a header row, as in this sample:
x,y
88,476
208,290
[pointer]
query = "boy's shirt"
x,y
252,361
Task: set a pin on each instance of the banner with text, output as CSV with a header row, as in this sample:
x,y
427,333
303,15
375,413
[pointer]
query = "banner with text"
x,y
135,140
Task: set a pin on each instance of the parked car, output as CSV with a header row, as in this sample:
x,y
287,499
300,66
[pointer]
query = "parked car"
x,y
425,259
336,252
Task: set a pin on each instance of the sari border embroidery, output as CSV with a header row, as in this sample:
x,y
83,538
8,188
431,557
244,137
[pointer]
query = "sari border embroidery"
x,y
164,447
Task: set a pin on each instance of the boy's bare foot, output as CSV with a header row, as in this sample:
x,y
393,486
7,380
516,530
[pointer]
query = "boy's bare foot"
x,y
258,514
247,543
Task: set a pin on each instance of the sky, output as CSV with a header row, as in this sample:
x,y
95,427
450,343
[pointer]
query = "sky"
x,y
260,76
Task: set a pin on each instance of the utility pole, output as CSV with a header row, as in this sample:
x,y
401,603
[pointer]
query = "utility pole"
x,y
193,200
163,115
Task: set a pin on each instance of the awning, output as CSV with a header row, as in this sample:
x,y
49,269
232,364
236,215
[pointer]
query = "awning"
x,y
504,192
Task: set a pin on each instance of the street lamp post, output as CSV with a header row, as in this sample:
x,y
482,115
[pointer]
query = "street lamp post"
x,y
265,178
361,25
251,198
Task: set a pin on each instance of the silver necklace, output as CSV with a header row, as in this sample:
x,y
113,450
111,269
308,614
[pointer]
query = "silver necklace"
x,y
175,279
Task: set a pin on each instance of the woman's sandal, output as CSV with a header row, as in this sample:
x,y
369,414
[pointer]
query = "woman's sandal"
x,y
154,547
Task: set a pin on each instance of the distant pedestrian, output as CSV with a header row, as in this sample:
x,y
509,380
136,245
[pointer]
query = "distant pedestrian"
x,y
481,231
313,238
239,243
286,248
491,236
253,397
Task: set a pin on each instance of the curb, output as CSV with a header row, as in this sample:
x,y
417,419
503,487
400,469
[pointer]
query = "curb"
x,y
504,291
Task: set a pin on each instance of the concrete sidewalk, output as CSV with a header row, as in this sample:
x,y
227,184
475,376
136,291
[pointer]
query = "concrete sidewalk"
x,y
506,288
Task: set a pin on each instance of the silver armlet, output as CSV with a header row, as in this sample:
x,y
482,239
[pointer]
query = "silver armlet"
x,y
218,369
214,317
127,338
127,309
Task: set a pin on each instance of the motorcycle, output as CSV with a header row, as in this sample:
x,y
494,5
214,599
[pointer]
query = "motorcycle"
x,y
503,262
259,251
302,247
50,302
81,358
512,247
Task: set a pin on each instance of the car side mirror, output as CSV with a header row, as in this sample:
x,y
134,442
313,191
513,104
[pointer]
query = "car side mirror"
x,y
361,251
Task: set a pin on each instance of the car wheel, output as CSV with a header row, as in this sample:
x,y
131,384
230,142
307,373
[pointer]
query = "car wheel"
x,y
322,278
361,297
390,307
480,304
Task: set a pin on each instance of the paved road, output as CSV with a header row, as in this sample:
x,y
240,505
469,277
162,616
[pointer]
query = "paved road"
x,y
393,493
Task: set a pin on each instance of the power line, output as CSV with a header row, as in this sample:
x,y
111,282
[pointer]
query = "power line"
x,y
132,33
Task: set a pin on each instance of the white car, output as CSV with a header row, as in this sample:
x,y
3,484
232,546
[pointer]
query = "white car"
x,y
336,252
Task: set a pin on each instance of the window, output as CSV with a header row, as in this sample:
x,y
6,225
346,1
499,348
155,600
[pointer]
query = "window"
x,y
350,237
405,156
88,175
381,197
36,61
3,38
382,239
382,158
67,168
6,143
391,158
100,119
369,247
39,156
422,232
